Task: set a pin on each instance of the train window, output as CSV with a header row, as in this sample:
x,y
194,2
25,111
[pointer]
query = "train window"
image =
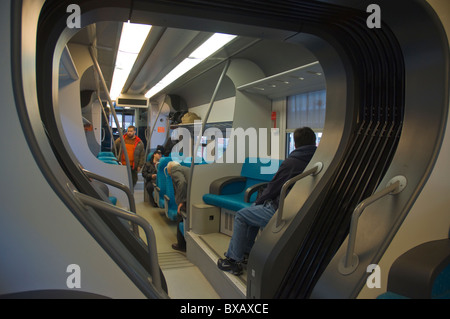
x,y
219,148
306,109
222,144
125,119
290,141
201,151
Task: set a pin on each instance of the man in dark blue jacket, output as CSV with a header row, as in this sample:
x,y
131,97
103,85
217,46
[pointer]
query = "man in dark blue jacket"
x,y
249,220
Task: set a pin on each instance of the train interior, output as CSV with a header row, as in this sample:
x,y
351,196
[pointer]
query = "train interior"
x,y
374,195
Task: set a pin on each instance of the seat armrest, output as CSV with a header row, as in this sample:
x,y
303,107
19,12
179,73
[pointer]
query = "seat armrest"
x,y
255,188
216,187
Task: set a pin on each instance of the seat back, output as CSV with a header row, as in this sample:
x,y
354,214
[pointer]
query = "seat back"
x,y
170,206
255,171
188,161
106,154
260,169
161,180
107,157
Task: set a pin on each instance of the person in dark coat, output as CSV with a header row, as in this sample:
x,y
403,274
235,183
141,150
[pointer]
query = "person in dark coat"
x,y
149,173
249,220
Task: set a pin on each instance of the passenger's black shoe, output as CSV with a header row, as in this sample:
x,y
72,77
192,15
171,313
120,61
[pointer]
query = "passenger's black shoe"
x,y
230,265
178,247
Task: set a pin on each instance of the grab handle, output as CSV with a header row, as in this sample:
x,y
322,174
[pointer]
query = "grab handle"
x,y
350,261
135,219
312,171
118,185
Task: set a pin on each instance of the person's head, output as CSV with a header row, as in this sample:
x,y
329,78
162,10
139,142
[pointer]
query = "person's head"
x,y
170,165
131,131
157,155
304,136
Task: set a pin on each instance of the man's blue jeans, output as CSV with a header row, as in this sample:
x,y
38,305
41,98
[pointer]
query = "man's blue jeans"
x,y
247,223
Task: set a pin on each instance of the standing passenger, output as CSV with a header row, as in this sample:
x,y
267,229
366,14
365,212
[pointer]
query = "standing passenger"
x,y
135,150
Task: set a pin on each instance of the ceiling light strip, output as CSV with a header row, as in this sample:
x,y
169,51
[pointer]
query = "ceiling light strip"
x,y
131,41
209,47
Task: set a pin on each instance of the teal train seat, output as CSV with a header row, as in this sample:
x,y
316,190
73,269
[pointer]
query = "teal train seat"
x,y
423,272
107,157
170,206
237,192
161,181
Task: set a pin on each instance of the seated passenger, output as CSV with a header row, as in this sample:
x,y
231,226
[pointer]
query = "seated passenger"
x,y
249,220
149,174
180,177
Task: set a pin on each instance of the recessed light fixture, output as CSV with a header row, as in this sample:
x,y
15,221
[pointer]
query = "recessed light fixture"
x,y
131,41
210,46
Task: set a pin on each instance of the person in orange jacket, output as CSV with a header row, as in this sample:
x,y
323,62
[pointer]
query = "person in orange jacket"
x,y
135,149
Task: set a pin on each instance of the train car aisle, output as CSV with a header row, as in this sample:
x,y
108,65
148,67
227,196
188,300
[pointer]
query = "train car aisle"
x,y
184,279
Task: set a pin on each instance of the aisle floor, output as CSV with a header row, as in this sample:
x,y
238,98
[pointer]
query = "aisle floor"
x,y
184,279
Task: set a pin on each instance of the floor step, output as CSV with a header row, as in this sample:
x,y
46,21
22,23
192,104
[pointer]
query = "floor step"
x,y
204,251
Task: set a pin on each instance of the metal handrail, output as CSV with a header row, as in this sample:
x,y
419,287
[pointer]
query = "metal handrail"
x,y
136,219
111,144
312,171
118,185
350,261
150,134
122,141
197,143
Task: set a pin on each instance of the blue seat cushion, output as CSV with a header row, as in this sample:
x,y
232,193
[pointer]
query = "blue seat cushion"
x,y
232,202
161,180
231,194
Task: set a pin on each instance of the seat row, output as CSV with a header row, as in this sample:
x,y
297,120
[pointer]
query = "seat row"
x,y
228,194
107,157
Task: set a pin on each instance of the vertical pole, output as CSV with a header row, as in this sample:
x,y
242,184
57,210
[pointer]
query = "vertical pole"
x,y
154,124
97,84
197,143
122,141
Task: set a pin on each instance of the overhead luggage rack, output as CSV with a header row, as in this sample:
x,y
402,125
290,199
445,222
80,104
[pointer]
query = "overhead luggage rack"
x,y
306,78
